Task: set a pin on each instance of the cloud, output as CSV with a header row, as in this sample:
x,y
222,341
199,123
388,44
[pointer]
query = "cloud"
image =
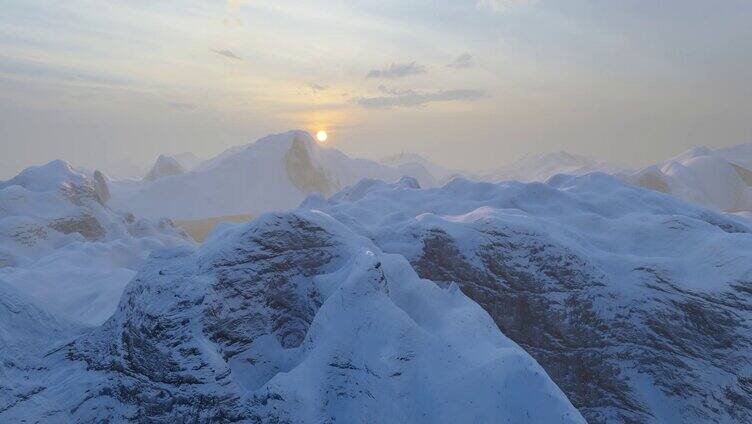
x,y
32,70
227,53
394,91
397,70
462,61
412,98
315,87
497,5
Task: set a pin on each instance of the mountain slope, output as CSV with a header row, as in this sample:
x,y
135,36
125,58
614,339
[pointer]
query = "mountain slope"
x,y
276,172
26,332
165,166
719,179
415,165
636,304
63,247
542,167
292,318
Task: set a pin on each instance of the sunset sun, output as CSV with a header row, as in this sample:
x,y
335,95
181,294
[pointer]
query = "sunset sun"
x,y
321,136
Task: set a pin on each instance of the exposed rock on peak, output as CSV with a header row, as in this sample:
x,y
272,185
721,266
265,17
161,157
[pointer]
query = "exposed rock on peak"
x,y
65,248
292,318
306,175
100,186
609,286
165,166
276,172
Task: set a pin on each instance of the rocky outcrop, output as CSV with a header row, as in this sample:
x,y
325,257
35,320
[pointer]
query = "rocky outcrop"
x,y
291,318
303,173
165,166
86,225
100,186
63,245
608,286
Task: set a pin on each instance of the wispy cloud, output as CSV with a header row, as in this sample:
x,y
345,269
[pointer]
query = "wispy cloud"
x,y
394,91
412,98
462,61
397,70
41,71
316,87
227,53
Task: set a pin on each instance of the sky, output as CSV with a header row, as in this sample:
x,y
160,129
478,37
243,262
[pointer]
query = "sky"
x,y
471,84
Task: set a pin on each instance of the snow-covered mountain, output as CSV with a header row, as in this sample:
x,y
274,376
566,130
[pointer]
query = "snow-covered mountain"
x,y
636,304
165,166
26,332
720,179
187,160
354,309
412,164
64,248
292,318
274,173
542,167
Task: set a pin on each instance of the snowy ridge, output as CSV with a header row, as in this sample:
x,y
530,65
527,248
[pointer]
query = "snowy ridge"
x,y
636,304
414,165
720,179
274,173
165,166
64,248
542,167
26,332
292,318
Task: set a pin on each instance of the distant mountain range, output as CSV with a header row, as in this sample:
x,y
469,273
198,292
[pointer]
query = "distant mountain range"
x,y
276,172
580,297
542,167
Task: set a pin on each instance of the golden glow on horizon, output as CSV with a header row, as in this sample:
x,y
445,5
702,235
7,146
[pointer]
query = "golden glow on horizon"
x,y
321,136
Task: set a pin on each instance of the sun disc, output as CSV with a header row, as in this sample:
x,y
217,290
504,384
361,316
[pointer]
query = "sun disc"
x,y
321,136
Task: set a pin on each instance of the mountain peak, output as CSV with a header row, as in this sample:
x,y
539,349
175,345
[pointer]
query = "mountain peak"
x,y
165,166
47,177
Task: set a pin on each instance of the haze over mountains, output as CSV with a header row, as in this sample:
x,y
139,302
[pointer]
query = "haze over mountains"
x,y
546,291
275,172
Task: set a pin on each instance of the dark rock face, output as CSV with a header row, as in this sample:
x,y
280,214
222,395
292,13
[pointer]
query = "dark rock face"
x,y
303,173
86,225
265,270
558,307
100,187
291,318
165,166
153,360
29,234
